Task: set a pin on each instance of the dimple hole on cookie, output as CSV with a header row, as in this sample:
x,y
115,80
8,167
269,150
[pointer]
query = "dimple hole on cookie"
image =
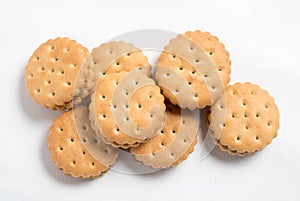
x,y
173,131
180,68
118,63
173,56
150,96
37,91
136,82
37,58
31,75
103,97
167,74
84,127
244,103
48,82
128,54
184,140
246,127
251,93
221,107
42,68
93,164
84,140
172,154
127,118
233,115
105,151
257,137
266,106
139,106
245,115
233,92
73,162
51,70
73,65
71,140
62,72
197,61
223,125
126,93
196,95
55,59
191,48
205,75
60,148
117,130
126,106
183,121
162,144
83,152
189,83
115,106
162,132
269,124
193,72
52,94
52,47
103,116
257,115
153,154
68,83
220,69
238,138
151,116
61,129
96,141
176,90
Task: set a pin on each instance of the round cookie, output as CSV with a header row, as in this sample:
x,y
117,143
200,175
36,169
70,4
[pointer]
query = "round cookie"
x,y
127,108
52,71
173,143
76,149
193,70
112,57
245,120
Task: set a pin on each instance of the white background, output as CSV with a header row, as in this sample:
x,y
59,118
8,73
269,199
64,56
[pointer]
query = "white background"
x,y
263,40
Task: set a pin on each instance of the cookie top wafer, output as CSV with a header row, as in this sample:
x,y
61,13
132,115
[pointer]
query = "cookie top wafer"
x,y
174,142
112,57
76,149
193,70
52,70
127,107
250,119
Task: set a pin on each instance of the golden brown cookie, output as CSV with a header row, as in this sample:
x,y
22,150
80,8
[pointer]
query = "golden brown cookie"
x,y
193,70
112,57
76,149
174,142
52,71
245,120
127,108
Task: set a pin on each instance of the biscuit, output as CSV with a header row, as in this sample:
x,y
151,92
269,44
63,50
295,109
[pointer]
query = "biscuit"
x,y
245,120
127,108
52,71
193,70
174,142
76,149
112,57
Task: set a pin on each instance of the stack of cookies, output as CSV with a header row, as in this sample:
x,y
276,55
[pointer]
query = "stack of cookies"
x,y
150,117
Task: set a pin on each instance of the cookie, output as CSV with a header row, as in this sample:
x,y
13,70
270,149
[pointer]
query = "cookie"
x,y
52,71
76,149
127,108
174,142
245,120
193,70
112,57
